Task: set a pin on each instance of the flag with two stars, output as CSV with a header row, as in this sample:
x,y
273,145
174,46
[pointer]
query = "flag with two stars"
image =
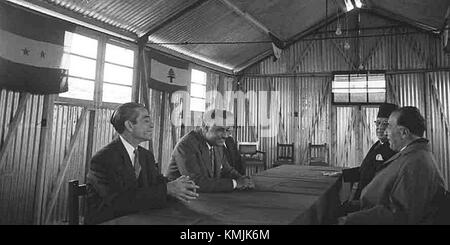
x,y
166,73
32,55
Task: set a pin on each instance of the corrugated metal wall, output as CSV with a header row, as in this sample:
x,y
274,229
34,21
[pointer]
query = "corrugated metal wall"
x,y
402,56
18,172
283,111
65,119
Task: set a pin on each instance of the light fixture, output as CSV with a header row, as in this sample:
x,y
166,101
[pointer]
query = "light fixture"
x,y
348,5
358,4
346,45
338,29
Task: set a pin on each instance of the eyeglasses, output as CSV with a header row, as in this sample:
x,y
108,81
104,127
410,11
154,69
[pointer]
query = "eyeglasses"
x,y
381,123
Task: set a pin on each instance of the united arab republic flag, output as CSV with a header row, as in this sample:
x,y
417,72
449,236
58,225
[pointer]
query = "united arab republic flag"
x,y
32,52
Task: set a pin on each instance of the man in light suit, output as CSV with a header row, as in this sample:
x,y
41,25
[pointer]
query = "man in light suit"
x,y
404,190
123,178
200,155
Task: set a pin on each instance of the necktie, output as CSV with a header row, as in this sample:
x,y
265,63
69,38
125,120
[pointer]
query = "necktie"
x,y
211,156
137,165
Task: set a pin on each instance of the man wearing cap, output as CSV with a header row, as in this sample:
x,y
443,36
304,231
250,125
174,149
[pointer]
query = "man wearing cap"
x,y
200,155
404,190
378,153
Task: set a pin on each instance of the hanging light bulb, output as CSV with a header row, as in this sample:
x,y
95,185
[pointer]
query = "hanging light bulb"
x,y
347,45
338,29
348,5
358,4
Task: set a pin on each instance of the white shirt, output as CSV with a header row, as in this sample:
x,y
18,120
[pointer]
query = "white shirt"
x,y
130,149
234,181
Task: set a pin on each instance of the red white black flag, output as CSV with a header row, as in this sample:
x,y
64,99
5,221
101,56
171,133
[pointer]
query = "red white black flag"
x,y
32,52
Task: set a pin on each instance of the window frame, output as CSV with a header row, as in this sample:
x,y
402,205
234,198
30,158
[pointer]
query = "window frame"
x,y
365,72
102,40
200,84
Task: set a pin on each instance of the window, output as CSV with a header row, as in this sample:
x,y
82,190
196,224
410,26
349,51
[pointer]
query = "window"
x,y
359,88
118,67
82,67
198,90
118,74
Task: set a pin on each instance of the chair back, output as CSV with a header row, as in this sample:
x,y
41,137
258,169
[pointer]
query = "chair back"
x,y
285,152
248,148
318,154
75,191
254,159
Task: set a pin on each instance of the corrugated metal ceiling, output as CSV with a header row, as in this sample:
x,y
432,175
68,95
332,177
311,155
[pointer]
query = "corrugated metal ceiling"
x,y
215,21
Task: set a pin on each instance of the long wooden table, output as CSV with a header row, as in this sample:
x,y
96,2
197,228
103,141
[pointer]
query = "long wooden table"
x,y
288,194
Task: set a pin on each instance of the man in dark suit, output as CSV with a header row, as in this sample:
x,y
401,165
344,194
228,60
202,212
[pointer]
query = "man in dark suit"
x,y
403,192
123,178
232,154
200,155
377,155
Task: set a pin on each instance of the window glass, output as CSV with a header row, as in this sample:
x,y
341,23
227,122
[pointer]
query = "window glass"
x,y
116,93
118,74
119,55
81,45
79,89
359,88
82,67
197,104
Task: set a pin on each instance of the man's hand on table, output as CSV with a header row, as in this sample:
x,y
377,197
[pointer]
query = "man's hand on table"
x,y
183,189
244,183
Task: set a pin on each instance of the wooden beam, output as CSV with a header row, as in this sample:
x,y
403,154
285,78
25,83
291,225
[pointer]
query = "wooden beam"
x,y
13,125
347,59
252,61
90,141
143,72
384,13
276,39
172,18
161,128
65,164
44,151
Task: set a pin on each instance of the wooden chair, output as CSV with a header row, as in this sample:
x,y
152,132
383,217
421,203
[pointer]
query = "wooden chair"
x,y
75,191
285,154
254,159
318,155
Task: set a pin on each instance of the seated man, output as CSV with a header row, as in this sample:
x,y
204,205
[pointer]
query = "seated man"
x,y
200,155
378,153
403,190
123,178
232,154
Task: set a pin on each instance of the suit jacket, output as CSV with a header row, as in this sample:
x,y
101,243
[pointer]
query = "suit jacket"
x,y
370,166
233,156
403,191
191,158
114,190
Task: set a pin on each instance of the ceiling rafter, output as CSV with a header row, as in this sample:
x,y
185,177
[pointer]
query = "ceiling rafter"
x,y
170,19
275,38
384,13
